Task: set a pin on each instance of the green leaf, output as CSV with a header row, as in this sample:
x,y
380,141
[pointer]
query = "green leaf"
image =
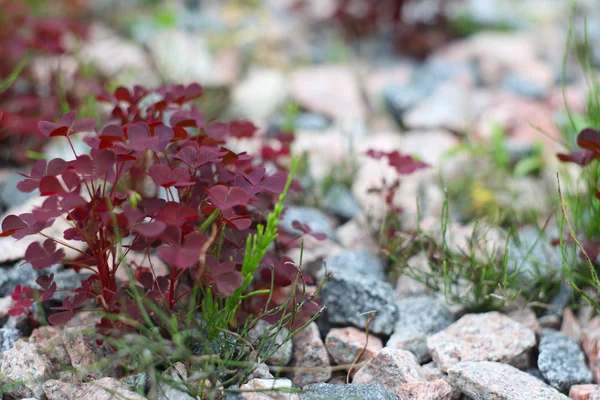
x,y
527,166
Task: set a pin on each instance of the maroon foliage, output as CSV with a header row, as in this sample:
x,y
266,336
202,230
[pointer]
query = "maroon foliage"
x,y
180,174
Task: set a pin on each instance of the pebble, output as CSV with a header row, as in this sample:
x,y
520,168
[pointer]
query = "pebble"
x,y
391,368
260,94
482,337
8,338
570,325
418,318
590,342
282,349
399,98
349,297
436,390
561,361
447,108
309,351
585,392
50,341
328,89
340,202
326,391
101,389
261,386
345,344
85,353
168,389
316,220
487,380
26,364
351,262
524,86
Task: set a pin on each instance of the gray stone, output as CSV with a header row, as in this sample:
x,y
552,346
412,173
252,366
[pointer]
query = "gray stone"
x,y
317,221
524,87
282,350
349,297
8,338
561,361
16,275
487,380
175,379
418,318
340,202
560,300
138,383
326,391
358,263
9,195
400,98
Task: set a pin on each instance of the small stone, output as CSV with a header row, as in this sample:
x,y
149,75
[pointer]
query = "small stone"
x,y
340,202
590,342
524,86
138,383
570,325
329,89
85,353
448,107
260,94
356,263
8,338
418,318
550,321
526,316
26,365
260,371
400,98
345,344
436,390
407,286
585,392
101,389
316,220
491,380
561,361
482,337
282,349
310,352
9,195
560,300
391,368
170,389
326,391
49,339
349,297
261,392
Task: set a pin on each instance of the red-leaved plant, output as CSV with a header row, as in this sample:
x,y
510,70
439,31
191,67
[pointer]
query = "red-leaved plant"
x,y
158,179
24,98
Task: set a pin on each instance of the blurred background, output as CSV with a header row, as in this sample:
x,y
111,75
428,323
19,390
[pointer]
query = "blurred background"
x,y
468,78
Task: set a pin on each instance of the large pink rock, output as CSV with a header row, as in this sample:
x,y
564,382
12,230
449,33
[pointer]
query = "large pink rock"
x,y
50,341
345,344
309,352
391,368
590,341
101,389
85,353
482,337
492,380
27,365
585,392
436,390
329,89
258,389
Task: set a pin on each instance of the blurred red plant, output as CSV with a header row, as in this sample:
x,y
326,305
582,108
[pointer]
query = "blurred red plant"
x,y
24,99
